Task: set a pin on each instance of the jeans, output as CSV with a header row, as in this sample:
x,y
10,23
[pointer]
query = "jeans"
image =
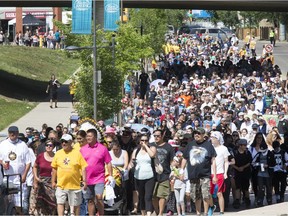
x,y
264,183
26,200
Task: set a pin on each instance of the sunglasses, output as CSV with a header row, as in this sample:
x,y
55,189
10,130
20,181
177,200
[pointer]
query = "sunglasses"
x,y
144,140
49,145
64,141
157,135
242,145
109,141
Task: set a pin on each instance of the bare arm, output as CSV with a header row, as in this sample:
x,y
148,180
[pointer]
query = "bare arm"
x,y
35,173
24,175
109,168
126,160
54,177
150,150
131,163
226,166
213,161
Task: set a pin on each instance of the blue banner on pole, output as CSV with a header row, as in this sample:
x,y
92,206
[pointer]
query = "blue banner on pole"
x,y
111,14
81,16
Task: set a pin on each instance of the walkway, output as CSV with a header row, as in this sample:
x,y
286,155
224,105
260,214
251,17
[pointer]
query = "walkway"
x,y
42,113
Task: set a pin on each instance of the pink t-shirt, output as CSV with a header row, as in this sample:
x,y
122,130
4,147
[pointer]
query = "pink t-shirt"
x,y
96,157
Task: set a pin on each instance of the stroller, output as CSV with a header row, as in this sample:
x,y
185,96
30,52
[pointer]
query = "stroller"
x,y
117,207
7,189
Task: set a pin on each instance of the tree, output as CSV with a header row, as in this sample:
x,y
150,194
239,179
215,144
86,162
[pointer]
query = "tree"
x,y
130,47
229,18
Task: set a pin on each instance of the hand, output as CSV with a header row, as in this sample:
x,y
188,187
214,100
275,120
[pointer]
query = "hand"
x,y
46,91
84,185
214,179
38,179
35,186
181,177
111,179
23,180
5,166
54,185
225,176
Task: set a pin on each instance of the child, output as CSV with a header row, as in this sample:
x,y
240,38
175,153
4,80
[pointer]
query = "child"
x,y
279,175
264,162
179,186
242,172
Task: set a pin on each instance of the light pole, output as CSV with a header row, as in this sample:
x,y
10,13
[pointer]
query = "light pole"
x,y
95,81
94,63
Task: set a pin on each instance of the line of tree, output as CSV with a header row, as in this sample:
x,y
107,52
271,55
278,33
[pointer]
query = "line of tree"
x,y
141,37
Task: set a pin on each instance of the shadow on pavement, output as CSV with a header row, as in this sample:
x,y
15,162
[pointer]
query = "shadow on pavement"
x,y
23,88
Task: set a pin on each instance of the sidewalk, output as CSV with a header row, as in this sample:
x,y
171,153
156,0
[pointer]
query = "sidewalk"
x,y
42,113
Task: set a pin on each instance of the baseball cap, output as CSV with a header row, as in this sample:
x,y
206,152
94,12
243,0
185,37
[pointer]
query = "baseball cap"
x,y
242,142
13,129
254,126
110,130
66,137
200,130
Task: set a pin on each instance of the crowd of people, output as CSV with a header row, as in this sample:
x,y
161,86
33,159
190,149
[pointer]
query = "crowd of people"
x,y
209,120
50,40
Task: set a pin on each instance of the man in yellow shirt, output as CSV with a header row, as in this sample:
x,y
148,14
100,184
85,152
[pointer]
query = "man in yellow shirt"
x,y
67,165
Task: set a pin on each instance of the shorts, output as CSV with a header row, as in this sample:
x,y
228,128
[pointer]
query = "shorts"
x,y
93,190
242,182
220,183
200,189
162,189
74,197
53,95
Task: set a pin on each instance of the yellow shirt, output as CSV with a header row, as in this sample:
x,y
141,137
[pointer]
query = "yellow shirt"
x,y
69,166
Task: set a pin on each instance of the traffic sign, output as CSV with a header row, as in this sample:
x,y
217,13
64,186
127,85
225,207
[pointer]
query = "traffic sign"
x,y
269,48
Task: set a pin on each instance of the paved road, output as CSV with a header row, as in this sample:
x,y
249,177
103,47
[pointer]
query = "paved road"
x,y
280,53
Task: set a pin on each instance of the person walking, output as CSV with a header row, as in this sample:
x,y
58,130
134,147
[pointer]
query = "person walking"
x,y
199,156
15,159
44,193
52,89
165,154
272,37
97,157
141,161
222,165
68,165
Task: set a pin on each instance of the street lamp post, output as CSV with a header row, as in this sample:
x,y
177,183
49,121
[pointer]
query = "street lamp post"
x,y
95,81
94,63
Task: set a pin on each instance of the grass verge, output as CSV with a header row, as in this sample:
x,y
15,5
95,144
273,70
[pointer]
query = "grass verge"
x,y
11,110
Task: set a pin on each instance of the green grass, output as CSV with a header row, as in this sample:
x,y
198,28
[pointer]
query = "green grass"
x,y
36,63
24,75
11,110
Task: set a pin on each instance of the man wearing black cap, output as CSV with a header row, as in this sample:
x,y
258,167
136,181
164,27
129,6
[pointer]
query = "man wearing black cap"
x,y
282,124
199,156
15,159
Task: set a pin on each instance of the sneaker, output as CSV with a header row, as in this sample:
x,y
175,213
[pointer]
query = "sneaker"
x,y
51,107
221,213
211,210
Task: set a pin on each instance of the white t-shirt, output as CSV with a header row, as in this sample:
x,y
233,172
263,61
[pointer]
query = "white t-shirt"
x,y
222,153
17,154
29,178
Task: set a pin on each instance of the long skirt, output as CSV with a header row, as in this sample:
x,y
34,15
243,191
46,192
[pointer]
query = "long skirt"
x,y
45,198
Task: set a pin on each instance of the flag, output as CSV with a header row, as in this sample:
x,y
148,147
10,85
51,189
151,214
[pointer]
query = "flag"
x,y
81,16
111,14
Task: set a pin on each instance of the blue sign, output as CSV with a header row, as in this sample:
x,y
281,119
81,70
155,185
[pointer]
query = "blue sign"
x,y
111,14
200,14
81,16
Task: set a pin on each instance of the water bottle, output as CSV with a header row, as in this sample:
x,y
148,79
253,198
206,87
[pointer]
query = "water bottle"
x,y
215,191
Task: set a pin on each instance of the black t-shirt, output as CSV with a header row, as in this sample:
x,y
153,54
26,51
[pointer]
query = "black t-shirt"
x,y
144,78
53,85
165,154
198,158
241,160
